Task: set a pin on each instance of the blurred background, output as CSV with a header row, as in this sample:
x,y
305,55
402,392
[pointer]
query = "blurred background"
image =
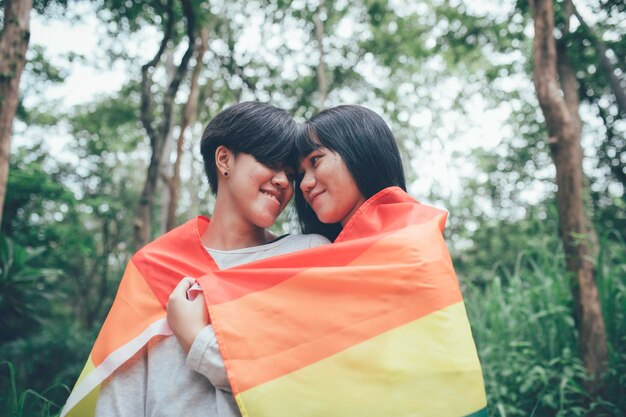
x,y
508,114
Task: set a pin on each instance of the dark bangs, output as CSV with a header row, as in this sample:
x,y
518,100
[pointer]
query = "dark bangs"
x,y
306,141
263,131
270,140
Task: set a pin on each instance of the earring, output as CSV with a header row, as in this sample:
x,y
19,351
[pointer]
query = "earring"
x,y
225,173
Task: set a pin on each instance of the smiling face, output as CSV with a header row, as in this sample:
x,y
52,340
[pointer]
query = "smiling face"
x,y
328,187
257,193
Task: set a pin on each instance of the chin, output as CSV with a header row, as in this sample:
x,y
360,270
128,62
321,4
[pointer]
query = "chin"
x,y
265,222
263,215
327,218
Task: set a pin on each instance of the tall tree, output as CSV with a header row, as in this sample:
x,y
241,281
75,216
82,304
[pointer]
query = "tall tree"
x,y
189,116
556,90
158,133
13,45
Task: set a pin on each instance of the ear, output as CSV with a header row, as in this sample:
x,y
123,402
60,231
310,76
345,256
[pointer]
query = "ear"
x,y
223,159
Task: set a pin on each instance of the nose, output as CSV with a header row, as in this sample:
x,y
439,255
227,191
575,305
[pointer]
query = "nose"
x,y
308,181
280,179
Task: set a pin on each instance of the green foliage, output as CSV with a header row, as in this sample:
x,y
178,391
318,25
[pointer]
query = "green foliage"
x,y
39,74
35,194
108,126
49,361
610,273
483,239
41,68
24,290
50,7
131,15
81,215
522,320
28,402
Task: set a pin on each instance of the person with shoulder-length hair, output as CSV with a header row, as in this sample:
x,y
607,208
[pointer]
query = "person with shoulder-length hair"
x,y
347,154
372,325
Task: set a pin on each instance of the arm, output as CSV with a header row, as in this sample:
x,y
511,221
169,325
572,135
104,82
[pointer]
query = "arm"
x,y
189,320
205,358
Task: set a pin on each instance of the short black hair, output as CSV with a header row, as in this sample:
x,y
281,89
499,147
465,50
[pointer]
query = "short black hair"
x,y
261,130
366,145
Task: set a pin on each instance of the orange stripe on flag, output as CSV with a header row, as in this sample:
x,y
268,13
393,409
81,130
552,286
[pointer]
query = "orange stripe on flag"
x,y
134,309
388,210
248,278
389,285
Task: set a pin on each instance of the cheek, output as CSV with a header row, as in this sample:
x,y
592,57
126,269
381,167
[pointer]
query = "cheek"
x,y
347,193
329,175
258,173
342,179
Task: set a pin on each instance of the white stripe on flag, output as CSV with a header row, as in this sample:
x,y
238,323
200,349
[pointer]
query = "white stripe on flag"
x,y
114,361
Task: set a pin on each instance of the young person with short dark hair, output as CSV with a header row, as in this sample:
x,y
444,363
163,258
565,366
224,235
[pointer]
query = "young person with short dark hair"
x,y
246,151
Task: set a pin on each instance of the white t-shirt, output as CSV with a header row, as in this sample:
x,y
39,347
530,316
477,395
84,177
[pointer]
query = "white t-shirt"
x,y
161,381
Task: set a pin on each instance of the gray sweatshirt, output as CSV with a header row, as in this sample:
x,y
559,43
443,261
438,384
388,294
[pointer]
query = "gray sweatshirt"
x,y
161,381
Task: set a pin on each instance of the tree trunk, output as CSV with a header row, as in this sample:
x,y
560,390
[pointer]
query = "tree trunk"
x,y
166,163
322,81
13,46
158,136
569,86
189,114
196,180
560,109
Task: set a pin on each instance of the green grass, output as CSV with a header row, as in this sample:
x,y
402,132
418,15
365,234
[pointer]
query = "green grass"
x,y
21,403
523,324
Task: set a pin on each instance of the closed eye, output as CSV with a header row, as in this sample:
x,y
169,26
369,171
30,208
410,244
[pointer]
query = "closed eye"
x,y
315,159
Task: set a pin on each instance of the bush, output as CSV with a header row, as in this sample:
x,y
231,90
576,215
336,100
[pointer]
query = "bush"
x,y
527,339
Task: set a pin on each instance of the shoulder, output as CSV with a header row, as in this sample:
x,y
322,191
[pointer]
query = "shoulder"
x,y
184,237
306,241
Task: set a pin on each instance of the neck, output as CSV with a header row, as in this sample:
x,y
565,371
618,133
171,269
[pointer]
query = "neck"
x,y
356,207
228,230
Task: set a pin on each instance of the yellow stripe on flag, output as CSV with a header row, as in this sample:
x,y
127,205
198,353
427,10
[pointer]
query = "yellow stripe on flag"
x,y
428,368
89,367
87,406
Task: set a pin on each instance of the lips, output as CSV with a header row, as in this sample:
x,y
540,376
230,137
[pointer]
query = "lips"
x,y
314,195
274,195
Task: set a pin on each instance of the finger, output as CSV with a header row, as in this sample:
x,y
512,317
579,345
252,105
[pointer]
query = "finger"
x,y
202,305
181,288
199,299
185,284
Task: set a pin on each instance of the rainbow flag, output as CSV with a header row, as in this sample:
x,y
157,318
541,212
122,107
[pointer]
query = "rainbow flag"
x,y
138,312
373,325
